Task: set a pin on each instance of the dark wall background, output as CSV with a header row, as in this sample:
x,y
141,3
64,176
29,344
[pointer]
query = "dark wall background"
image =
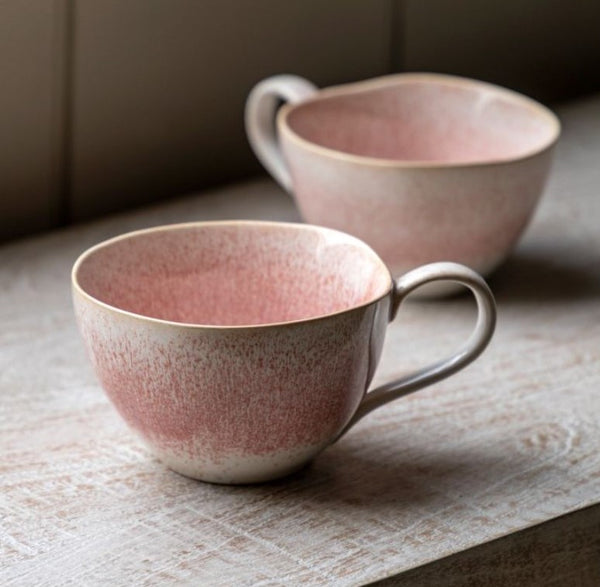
x,y
548,49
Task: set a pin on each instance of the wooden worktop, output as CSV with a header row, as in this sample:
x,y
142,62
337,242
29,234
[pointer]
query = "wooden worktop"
x,y
508,444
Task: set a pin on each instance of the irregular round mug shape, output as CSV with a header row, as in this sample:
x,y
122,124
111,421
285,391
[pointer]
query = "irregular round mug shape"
x,y
419,166
240,350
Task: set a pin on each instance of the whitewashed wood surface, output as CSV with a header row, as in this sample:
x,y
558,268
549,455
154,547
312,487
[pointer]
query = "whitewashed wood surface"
x,y
508,443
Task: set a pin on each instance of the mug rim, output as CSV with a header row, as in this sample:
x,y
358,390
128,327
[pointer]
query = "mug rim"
x,y
78,288
365,86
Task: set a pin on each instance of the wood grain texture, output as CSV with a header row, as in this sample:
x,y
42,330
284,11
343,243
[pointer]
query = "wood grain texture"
x,y
509,443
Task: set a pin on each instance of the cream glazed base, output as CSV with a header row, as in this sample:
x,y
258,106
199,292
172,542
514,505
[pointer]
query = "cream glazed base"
x,y
238,469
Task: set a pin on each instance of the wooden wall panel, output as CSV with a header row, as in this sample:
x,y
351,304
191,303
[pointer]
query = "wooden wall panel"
x,y
548,49
159,85
107,105
32,44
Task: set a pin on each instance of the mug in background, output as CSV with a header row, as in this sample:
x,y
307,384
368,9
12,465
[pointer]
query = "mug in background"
x,y
239,350
422,167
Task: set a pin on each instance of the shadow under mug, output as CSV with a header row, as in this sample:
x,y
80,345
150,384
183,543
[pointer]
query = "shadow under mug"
x,y
239,350
422,167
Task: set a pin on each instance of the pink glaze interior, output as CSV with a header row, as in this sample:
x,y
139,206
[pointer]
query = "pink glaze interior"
x,y
233,273
425,120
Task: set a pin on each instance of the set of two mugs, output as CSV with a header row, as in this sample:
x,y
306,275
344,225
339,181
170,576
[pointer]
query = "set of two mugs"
x,y
239,350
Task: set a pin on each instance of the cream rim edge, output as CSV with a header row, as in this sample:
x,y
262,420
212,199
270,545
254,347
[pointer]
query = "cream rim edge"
x,y
191,326
399,79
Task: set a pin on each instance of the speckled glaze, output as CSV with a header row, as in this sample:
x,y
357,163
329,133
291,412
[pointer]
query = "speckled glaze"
x,y
239,350
422,167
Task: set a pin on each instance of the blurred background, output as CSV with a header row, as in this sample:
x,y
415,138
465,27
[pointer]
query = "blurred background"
x,y
107,105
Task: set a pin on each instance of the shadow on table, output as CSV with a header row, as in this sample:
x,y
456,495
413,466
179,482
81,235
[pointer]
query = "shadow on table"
x,y
530,278
351,479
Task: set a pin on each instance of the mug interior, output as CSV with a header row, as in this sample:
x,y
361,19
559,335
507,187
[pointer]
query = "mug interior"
x,y
425,118
233,274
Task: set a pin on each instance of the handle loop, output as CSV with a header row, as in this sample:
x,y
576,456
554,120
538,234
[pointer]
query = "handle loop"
x,y
471,349
261,107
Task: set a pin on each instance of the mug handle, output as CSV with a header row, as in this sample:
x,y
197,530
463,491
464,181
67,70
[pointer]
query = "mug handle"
x,y
471,349
259,117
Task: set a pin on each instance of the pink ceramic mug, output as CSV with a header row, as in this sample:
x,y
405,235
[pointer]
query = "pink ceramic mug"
x,y
239,350
422,167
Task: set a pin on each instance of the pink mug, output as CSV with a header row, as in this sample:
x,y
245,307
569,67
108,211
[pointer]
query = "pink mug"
x,y
240,350
422,167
